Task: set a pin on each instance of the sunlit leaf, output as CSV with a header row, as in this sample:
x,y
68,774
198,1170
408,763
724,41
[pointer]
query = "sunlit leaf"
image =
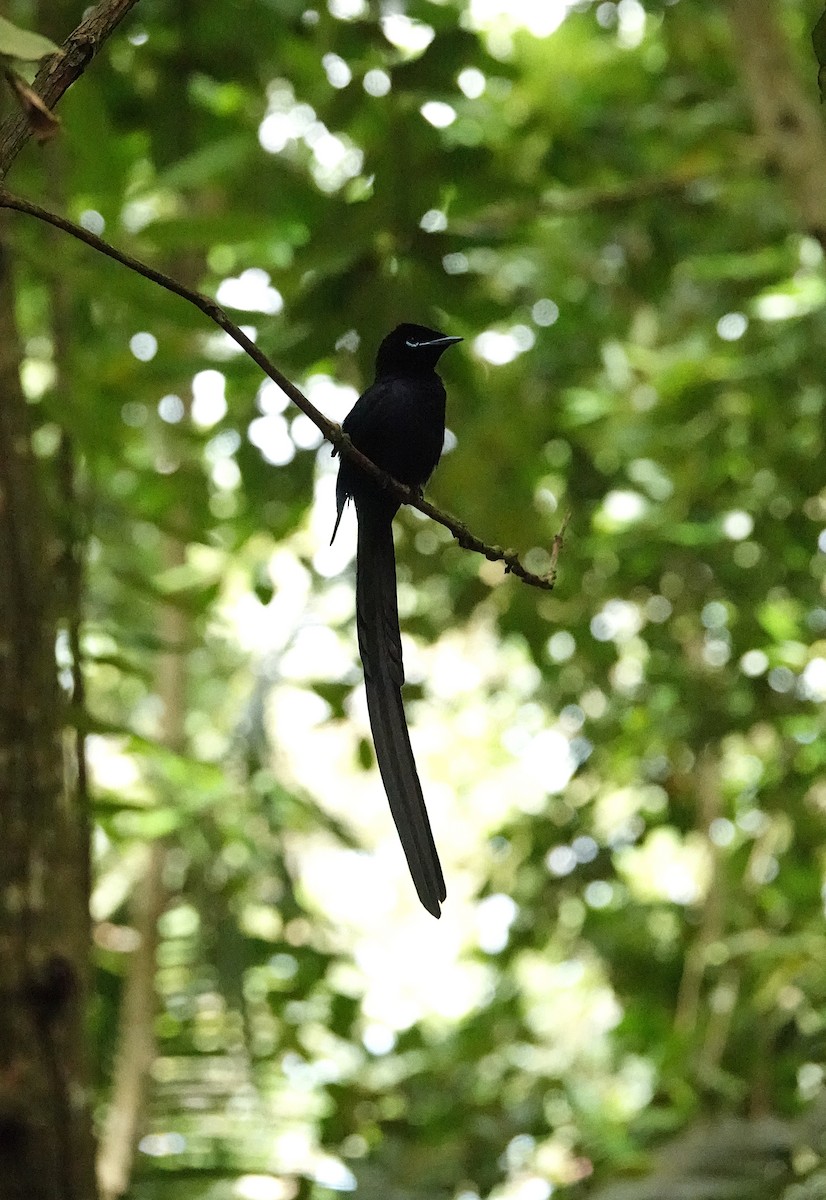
x,y
23,44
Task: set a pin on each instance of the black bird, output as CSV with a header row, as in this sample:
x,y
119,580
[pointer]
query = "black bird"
x,y
399,424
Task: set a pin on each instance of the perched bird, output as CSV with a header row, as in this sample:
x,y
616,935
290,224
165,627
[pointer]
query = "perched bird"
x,y
399,424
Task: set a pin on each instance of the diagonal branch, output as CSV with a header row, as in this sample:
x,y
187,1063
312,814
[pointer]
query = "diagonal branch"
x,y
56,75
59,72
331,431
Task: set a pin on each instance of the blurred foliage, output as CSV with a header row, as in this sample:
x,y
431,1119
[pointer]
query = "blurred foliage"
x,y
644,326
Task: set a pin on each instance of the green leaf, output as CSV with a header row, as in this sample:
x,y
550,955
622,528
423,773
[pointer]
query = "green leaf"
x,y
207,163
23,44
819,43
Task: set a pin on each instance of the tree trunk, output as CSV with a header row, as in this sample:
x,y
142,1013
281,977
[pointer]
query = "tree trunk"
x,y
45,1109
787,116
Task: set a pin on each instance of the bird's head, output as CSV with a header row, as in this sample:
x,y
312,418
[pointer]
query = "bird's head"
x,y
411,350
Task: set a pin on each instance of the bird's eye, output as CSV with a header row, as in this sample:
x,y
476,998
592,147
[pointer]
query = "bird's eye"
x,y
413,345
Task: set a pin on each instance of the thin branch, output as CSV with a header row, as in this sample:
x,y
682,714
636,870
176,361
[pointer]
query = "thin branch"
x,y
59,72
331,431
713,910
136,1048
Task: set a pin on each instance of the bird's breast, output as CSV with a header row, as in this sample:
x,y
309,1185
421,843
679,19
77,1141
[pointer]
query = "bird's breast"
x,y
407,427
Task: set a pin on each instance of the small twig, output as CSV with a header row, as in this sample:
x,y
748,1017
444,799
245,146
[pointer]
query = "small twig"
x,y
558,543
331,431
60,71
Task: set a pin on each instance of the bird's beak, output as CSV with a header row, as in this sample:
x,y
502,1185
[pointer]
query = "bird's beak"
x,y
444,341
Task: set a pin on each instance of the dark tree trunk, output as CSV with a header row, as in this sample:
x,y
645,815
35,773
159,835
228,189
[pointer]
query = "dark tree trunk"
x,y
45,1101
